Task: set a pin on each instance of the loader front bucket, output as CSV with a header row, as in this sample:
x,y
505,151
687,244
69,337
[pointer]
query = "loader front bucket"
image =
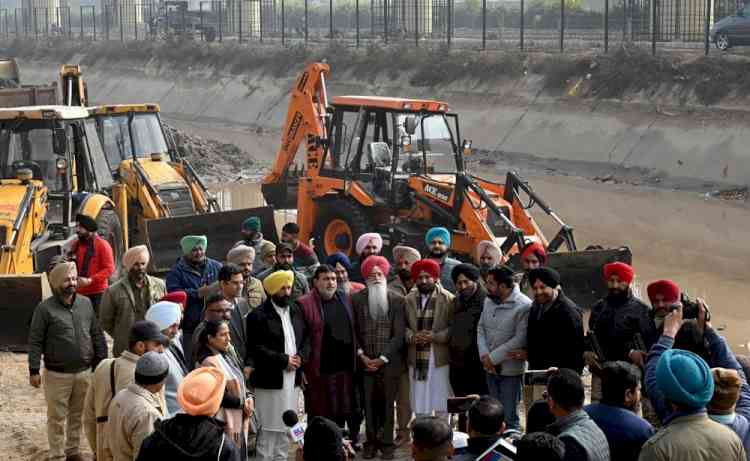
x,y
222,229
581,274
21,294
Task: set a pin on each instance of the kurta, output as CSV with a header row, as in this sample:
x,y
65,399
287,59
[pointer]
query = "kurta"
x,y
270,404
432,393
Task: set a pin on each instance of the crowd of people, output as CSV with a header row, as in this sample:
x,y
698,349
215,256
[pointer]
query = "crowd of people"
x,y
205,364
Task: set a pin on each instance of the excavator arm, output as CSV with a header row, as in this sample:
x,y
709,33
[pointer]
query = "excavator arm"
x,y
72,85
306,117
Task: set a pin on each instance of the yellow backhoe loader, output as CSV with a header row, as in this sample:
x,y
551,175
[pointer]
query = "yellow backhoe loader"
x,y
166,199
51,169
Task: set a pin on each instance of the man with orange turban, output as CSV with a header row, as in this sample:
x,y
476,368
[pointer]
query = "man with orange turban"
x,y
128,299
194,432
616,321
429,313
379,326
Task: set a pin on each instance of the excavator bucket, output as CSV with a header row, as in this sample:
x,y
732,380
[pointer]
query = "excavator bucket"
x,y
21,294
222,229
581,272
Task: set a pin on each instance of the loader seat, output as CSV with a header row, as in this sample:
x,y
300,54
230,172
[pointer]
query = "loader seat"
x,y
379,155
36,169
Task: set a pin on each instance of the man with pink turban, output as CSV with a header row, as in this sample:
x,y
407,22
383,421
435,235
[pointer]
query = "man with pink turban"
x,y
127,300
379,326
367,245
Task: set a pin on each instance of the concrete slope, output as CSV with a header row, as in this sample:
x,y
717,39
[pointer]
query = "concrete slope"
x,y
520,117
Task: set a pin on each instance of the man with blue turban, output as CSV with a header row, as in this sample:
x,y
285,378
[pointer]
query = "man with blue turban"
x,y
438,242
193,273
680,382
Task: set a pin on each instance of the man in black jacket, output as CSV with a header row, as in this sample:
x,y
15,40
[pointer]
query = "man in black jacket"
x,y
616,321
466,372
555,332
277,347
486,426
65,331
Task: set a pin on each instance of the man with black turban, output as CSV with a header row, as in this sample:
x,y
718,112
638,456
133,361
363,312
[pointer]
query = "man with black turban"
x,y
555,331
466,374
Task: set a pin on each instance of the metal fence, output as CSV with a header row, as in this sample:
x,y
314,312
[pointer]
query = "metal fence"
x,y
525,24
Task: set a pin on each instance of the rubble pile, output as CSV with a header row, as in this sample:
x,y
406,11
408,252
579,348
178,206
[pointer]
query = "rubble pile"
x,y
216,161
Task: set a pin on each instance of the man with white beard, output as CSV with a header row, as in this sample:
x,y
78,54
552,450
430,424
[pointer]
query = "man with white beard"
x,y
379,326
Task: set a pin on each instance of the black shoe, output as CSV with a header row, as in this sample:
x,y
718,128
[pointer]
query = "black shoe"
x,y
387,453
369,452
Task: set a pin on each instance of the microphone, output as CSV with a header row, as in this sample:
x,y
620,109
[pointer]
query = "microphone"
x,y
296,429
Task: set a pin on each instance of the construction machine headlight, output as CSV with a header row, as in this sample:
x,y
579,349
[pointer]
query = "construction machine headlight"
x,y
61,164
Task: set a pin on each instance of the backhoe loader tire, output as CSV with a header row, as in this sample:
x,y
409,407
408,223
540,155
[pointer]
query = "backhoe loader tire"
x,y
110,229
340,223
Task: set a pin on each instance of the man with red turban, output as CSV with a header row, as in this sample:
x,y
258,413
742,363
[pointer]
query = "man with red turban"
x,y
616,321
379,328
429,314
663,294
533,256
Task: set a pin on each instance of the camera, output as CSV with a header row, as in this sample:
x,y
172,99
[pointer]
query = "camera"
x,y
690,308
535,378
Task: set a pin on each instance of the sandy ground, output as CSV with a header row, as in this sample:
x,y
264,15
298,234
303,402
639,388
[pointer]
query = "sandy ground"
x,y
700,242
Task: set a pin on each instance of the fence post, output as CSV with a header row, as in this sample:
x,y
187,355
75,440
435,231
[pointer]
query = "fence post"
x,y
239,19
36,25
653,27
306,20
106,22
416,22
385,21
46,22
221,22
484,24
262,22
70,24
523,23
15,21
606,26
707,28
93,20
450,22
135,20
81,22
330,19
122,36
283,24
356,20
562,26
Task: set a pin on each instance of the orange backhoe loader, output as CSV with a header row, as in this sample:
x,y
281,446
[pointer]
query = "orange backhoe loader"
x,y
396,166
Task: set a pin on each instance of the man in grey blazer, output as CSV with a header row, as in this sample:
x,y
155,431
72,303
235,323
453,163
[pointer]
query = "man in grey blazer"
x,y
379,326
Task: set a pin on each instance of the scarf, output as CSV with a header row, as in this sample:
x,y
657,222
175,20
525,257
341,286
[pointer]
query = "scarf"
x,y
425,316
87,257
726,420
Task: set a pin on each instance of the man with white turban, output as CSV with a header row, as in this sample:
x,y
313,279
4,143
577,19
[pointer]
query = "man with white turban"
x,y
370,244
277,347
252,289
403,258
167,315
66,333
488,257
127,300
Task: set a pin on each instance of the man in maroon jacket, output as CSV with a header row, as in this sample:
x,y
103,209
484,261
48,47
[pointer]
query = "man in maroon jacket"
x,y
330,368
94,259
